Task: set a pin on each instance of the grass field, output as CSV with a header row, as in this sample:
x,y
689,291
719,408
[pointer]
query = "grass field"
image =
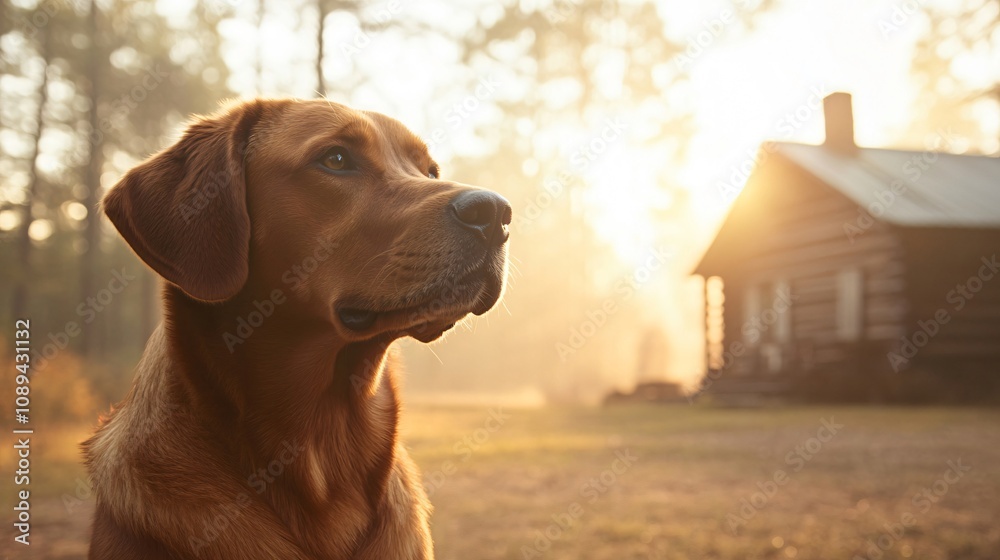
x,y
665,483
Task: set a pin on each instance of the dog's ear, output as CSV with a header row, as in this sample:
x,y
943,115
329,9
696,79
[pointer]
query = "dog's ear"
x,y
184,210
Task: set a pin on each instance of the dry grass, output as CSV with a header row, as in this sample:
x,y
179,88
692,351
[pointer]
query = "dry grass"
x,y
695,466
495,497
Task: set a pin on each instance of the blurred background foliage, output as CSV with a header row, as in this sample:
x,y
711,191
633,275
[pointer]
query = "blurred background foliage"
x,y
506,93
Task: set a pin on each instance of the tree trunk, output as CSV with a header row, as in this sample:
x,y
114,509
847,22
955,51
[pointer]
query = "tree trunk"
x,y
90,256
321,27
23,275
5,26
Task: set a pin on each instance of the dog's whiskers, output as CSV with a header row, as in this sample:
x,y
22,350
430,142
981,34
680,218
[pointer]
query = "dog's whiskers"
x,y
504,304
435,354
383,253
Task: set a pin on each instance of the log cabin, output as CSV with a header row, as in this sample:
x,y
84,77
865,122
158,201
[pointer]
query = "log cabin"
x,y
856,274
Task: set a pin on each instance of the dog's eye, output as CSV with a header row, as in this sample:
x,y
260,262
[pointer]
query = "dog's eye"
x,y
433,172
337,159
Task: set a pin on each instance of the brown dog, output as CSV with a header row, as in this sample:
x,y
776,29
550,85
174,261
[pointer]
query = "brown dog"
x,y
298,240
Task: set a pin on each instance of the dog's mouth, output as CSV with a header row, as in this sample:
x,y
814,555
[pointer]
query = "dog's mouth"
x,y
438,308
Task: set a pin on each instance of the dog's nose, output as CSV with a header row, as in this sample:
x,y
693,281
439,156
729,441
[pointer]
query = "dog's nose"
x,y
485,212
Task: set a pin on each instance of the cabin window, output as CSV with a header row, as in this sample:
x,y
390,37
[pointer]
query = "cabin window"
x,y
850,304
751,314
783,311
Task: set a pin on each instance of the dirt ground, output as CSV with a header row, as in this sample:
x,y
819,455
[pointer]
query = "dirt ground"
x,y
662,483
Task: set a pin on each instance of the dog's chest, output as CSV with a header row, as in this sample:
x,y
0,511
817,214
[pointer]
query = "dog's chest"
x,y
335,531
323,502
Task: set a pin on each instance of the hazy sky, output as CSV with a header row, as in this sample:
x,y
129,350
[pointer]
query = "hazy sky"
x,y
744,85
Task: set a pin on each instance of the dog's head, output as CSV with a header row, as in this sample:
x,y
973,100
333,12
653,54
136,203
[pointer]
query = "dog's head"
x,y
343,211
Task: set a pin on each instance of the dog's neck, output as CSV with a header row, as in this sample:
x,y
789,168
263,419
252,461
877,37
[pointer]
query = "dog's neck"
x,y
287,383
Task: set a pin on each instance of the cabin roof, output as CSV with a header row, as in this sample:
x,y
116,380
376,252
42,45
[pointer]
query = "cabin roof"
x,y
932,189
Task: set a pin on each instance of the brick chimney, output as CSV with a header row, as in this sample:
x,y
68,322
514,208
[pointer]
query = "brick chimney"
x,y
839,117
